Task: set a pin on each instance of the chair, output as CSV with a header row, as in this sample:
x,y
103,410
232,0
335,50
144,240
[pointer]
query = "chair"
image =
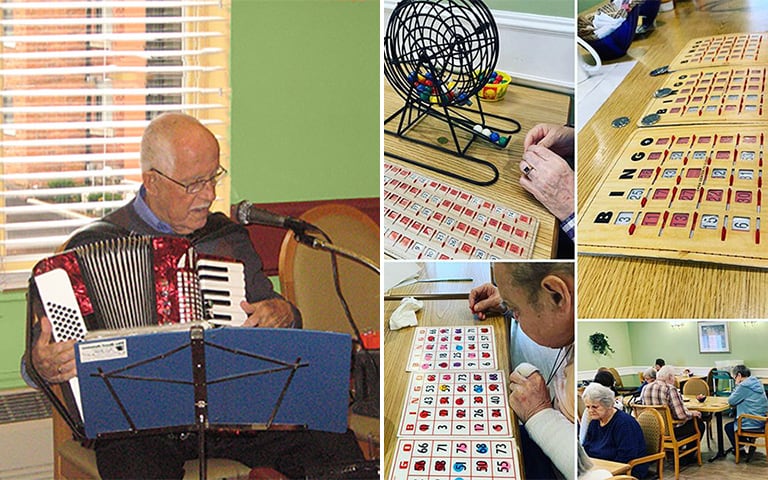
x,y
652,426
619,383
748,438
306,280
306,277
669,441
622,477
723,383
696,386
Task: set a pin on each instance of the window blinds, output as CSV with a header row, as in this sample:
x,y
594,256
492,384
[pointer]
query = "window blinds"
x,y
79,82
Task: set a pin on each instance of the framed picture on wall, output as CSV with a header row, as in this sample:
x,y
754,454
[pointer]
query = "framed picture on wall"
x,y
713,337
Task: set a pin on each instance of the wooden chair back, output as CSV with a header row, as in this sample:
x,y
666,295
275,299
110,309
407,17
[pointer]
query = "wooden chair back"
x,y
696,386
652,426
306,277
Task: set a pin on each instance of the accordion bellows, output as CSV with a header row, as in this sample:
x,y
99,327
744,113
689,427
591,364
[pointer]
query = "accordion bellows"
x,y
128,282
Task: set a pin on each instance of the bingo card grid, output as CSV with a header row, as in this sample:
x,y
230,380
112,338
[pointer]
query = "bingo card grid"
x,y
427,219
454,458
692,193
723,50
710,95
470,404
452,348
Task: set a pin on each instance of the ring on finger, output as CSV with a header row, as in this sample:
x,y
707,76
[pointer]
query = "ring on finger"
x,y
527,169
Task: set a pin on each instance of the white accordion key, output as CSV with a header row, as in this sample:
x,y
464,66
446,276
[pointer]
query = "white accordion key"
x,y
223,287
62,309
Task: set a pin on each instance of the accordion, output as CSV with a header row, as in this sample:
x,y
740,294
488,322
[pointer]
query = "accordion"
x,y
132,282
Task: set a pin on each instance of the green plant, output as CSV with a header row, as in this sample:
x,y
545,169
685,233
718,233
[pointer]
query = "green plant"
x,y
599,343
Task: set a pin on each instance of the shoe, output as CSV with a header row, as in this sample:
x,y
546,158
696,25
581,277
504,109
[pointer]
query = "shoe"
x,y
751,453
731,451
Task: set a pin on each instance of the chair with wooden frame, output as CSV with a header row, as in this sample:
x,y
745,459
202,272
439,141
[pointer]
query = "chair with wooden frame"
x,y
652,426
306,280
698,386
748,438
620,383
670,442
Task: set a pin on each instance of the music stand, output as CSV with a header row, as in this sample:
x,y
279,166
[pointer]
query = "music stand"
x,y
207,379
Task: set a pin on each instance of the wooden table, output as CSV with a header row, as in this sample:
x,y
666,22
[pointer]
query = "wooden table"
x,y
613,287
616,468
716,405
527,105
446,280
397,346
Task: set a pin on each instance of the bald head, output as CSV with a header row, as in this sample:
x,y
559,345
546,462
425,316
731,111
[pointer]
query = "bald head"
x,y
541,297
166,135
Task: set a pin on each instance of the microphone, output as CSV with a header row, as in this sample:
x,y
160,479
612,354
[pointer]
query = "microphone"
x,y
246,213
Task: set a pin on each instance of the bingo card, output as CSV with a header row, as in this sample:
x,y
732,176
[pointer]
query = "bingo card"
x,y
454,458
452,348
723,50
456,403
689,193
428,219
709,95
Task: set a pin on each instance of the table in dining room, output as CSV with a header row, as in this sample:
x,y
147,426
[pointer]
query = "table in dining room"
x,y
716,405
397,344
616,468
529,106
635,287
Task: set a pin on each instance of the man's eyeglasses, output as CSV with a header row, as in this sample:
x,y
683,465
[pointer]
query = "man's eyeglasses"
x,y
197,185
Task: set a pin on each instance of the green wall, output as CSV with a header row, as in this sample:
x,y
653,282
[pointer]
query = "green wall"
x,y
305,116
305,101
553,8
640,343
587,4
618,339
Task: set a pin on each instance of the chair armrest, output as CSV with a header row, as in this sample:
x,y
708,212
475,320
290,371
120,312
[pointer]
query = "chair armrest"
x,y
648,458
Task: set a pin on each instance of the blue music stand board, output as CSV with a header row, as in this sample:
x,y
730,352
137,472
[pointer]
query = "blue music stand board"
x,y
255,377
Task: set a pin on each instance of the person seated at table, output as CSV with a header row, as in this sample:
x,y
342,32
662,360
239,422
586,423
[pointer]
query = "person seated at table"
x,y
687,373
659,363
664,392
612,434
539,296
604,378
748,396
649,376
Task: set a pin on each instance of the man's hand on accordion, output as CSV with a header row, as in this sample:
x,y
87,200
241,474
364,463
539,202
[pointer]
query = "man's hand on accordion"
x,y
272,313
54,360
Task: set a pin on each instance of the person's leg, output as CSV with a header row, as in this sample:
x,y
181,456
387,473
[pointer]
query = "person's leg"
x,y
293,453
145,457
729,432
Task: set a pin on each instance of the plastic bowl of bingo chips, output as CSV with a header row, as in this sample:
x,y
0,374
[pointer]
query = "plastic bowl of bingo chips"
x,y
496,88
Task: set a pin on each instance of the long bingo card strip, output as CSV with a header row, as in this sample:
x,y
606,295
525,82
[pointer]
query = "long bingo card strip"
x,y
453,348
723,50
709,95
453,458
456,403
429,219
691,193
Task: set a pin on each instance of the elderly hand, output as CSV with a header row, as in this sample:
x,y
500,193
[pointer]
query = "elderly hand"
x,y
528,396
549,178
54,360
557,138
485,299
272,313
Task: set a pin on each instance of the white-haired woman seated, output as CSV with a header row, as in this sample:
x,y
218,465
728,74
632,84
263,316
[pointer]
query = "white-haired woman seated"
x,y
611,433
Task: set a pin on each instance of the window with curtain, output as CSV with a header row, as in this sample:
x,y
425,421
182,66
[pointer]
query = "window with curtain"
x,y
79,81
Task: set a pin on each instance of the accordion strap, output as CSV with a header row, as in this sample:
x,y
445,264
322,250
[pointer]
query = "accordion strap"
x,y
217,226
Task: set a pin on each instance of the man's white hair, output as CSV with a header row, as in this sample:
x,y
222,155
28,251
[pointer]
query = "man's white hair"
x,y
666,373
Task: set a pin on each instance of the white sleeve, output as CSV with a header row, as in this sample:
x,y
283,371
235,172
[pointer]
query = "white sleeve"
x,y
554,434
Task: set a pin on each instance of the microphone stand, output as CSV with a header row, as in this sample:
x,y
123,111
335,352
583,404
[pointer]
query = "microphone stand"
x,y
319,244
